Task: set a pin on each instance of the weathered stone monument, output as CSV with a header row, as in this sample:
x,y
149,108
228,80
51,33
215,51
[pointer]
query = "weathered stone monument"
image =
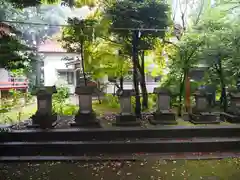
x,y
233,111
126,117
85,117
201,113
44,117
163,114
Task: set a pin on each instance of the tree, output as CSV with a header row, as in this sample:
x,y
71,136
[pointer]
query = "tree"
x,y
128,16
216,47
221,52
14,53
188,42
77,36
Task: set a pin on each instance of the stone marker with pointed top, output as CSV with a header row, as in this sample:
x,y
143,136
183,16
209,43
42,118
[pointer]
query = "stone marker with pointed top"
x,y
85,117
44,117
126,117
163,114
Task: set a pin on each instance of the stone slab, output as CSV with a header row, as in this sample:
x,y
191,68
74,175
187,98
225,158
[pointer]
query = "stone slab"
x,y
205,118
86,120
231,118
162,122
76,148
126,120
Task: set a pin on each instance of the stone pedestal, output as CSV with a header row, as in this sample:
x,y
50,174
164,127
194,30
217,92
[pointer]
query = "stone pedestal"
x,y
233,111
163,114
44,117
126,117
200,113
85,117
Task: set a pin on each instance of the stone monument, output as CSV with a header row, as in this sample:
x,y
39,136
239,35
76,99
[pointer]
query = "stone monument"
x,y
85,117
163,114
233,112
126,117
201,113
44,117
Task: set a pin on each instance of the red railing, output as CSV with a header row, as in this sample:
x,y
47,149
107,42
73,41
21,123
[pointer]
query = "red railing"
x,y
14,83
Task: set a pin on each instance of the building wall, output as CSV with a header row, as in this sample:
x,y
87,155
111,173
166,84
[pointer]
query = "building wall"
x,y
150,87
4,75
52,64
111,88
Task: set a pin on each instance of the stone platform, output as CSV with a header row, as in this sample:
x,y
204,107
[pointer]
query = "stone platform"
x,y
204,118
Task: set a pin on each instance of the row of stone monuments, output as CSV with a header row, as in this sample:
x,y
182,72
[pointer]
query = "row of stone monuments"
x,y
86,117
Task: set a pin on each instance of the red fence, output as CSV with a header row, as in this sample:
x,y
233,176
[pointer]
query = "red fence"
x,y
14,83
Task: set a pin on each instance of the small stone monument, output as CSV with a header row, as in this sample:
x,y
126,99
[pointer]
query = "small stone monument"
x,y
126,117
233,111
44,117
234,107
85,117
201,113
201,102
163,114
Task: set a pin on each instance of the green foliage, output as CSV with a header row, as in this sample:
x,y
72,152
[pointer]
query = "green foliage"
x,y
13,53
152,99
15,95
132,14
70,109
59,98
111,101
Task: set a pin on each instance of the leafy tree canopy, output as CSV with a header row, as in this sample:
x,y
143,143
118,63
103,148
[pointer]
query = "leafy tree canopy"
x,y
149,14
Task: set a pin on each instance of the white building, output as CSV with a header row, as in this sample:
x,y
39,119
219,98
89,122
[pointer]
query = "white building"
x,y
54,66
55,70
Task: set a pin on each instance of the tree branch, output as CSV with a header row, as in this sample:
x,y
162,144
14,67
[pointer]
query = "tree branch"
x,y
169,42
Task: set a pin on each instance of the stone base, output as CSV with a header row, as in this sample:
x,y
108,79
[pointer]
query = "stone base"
x,y
166,118
86,120
185,117
126,120
43,121
204,118
231,118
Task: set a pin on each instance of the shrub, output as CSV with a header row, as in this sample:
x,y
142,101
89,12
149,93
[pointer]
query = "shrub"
x,y
59,99
70,109
111,101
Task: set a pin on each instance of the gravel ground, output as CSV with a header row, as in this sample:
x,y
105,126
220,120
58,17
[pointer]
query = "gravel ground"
x,y
226,169
64,121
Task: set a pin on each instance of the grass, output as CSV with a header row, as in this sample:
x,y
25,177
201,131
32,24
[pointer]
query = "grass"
x,y
225,169
17,115
103,109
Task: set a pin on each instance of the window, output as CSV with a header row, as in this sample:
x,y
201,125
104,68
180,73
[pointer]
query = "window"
x,y
67,76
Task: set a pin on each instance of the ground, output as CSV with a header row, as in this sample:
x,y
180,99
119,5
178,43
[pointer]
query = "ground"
x,y
226,169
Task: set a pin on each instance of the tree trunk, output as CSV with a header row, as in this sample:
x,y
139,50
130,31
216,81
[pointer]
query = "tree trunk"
x,y
121,82
135,74
181,93
82,61
223,86
143,84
